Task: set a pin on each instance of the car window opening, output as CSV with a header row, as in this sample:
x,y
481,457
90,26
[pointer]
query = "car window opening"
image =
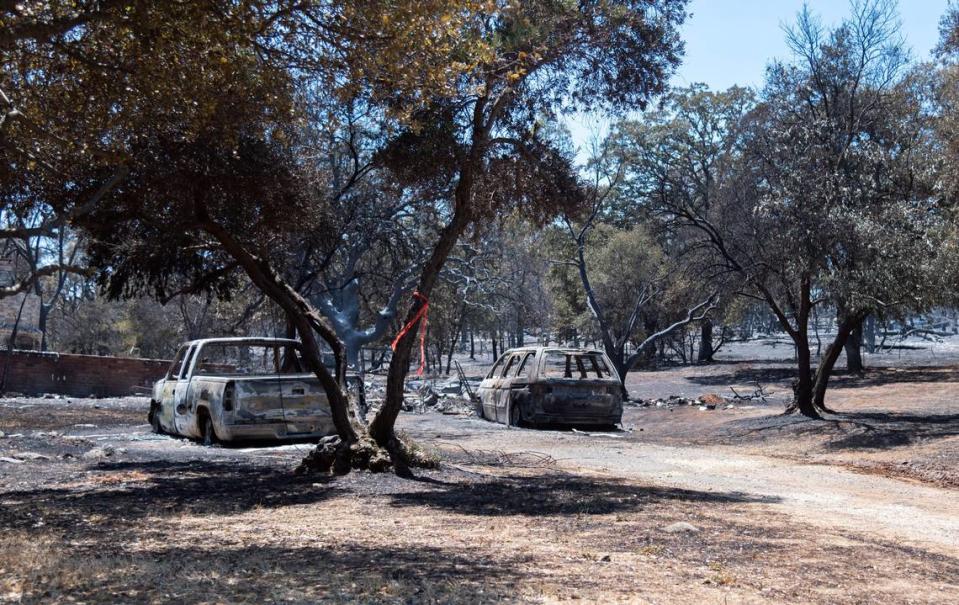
x,y
580,366
228,359
526,365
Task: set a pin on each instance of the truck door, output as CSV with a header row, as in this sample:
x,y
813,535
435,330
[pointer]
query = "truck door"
x,y
184,420
487,389
516,385
165,396
503,387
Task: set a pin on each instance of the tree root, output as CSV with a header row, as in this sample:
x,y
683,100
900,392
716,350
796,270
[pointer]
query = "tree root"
x,y
793,408
332,455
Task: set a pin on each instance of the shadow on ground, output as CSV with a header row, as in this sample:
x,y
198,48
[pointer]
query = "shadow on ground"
x,y
877,430
133,490
745,375
123,493
852,430
557,494
839,378
874,377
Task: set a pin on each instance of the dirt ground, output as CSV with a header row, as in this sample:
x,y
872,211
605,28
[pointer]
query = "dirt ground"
x,y
737,505
901,422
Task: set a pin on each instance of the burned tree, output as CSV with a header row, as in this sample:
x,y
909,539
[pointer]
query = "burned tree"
x,y
543,57
820,194
638,283
356,280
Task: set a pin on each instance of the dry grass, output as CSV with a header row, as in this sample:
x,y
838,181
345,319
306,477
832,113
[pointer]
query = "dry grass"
x,y
481,535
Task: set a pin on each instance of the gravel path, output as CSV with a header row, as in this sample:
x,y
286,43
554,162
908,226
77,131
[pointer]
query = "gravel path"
x,y
821,495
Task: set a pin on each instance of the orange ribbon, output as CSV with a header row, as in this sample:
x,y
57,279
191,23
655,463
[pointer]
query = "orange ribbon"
x,y
420,314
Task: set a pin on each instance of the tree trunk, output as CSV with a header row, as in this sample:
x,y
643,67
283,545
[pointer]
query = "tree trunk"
x,y
11,345
803,387
381,428
854,351
42,325
307,322
828,361
472,346
495,352
619,359
869,334
803,397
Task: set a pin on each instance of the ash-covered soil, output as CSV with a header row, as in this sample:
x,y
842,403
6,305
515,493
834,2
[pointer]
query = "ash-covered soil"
x,y
107,512
689,504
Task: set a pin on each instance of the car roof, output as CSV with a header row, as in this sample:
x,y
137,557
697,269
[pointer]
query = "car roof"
x,y
540,349
242,339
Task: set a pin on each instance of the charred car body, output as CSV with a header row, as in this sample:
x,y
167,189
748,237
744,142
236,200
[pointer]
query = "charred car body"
x,y
543,385
231,389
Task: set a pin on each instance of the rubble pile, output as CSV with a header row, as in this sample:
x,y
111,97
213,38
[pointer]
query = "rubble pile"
x,y
445,397
710,401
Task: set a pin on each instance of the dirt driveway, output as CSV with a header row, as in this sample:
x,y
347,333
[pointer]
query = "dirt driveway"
x,y
823,495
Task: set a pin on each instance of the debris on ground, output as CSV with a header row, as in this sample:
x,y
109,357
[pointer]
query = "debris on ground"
x,y
599,434
24,456
498,458
709,401
99,452
422,396
758,395
681,527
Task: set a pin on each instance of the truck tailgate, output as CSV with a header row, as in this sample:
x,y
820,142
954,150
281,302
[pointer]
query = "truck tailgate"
x,y
280,398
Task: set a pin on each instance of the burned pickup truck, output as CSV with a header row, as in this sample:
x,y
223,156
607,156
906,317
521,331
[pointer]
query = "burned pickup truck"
x,y
542,385
230,389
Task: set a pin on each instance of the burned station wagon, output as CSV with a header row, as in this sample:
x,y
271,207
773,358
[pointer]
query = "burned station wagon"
x,y
226,389
543,385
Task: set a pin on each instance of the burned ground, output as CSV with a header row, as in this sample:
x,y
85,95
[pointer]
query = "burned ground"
x,y
248,530
736,505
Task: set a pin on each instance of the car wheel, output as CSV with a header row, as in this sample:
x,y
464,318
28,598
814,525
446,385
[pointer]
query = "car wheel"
x,y
209,434
154,418
155,421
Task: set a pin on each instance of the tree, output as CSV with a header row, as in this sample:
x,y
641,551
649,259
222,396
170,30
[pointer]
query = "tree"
x,y
824,195
626,277
355,280
630,286
946,99
81,81
236,64
543,57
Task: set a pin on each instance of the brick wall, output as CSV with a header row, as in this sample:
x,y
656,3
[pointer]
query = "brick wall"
x,y
34,373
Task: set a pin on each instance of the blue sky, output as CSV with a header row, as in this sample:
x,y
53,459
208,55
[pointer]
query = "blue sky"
x,y
731,41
